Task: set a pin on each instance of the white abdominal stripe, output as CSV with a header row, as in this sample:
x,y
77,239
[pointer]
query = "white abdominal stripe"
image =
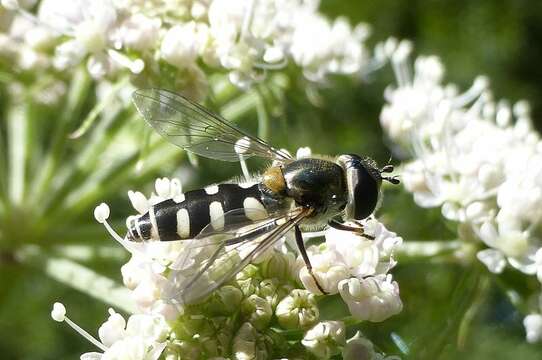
x,y
171,220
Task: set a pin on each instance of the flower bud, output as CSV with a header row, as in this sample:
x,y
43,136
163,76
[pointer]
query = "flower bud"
x,y
148,290
268,290
248,344
248,279
224,301
297,310
493,259
113,329
375,298
257,311
327,269
187,326
279,266
328,278
182,349
152,327
359,348
533,327
325,339
179,46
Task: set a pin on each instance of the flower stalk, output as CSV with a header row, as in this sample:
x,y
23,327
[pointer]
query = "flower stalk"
x,y
77,276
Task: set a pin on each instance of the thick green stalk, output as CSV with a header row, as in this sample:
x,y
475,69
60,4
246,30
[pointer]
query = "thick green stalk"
x,y
84,252
411,251
78,277
17,129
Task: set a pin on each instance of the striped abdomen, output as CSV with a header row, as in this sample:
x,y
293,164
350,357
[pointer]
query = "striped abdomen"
x,y
186,217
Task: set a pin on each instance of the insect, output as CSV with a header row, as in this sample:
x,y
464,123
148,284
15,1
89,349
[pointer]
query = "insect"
x,y
227,226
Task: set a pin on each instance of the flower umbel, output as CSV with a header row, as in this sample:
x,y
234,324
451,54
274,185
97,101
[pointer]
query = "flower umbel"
x,y
475,158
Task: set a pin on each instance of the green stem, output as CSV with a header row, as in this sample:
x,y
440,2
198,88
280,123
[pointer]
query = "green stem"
x,y
84,252
97,109
421,250
71,175
106,182
513,295
434,343
17,120
479,298
263,117
222,90
78,277
240,106
79,89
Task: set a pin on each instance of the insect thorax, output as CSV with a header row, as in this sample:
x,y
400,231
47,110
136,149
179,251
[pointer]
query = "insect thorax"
x,y
317,184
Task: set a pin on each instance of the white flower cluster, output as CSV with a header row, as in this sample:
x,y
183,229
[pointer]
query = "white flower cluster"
x,y
356,267
347,263
477,159
243,37
236,319
143,336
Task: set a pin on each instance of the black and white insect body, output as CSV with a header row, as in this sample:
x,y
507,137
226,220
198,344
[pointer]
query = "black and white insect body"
x,y
185,216
241,221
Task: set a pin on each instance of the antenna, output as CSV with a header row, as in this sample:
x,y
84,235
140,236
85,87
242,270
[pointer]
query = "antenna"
x,y
392,179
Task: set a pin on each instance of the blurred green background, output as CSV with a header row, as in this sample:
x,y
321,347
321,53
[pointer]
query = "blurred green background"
x,y
501,39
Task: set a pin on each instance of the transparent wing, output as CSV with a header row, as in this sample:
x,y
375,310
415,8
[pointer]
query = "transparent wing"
x,y
215,256
196,129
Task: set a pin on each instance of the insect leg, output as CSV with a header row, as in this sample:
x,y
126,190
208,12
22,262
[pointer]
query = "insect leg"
x,y
357,229
301,247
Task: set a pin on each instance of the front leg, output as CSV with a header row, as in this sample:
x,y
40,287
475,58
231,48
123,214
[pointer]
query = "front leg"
x,y
301,247
359,229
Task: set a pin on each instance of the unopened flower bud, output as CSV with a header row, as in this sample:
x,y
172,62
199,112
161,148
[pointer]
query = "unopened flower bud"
x,y
269,291
297,310
247,279
188,326
257,311
279,266
325,339
224,301
248,345
113,329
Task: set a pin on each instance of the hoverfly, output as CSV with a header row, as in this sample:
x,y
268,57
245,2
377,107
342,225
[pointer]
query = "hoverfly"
x,y
227,226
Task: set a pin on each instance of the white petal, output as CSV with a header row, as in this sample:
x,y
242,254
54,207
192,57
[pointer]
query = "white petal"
x,y
493,259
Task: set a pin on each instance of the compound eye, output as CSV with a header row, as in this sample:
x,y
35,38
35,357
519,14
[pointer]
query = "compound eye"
x,y
363,193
